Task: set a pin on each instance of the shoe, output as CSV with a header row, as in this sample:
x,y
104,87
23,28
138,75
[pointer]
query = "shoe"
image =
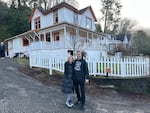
x,y
77,103
69,104
81,107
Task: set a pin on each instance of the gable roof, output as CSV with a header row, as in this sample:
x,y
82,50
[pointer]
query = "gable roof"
x,y
122,36
63,4
84,9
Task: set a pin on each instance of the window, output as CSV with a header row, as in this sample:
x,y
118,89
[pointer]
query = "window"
x,y
36,38
55,15
42,37
88,23
37,23
48,38
56,36
72,36
75,19
25,42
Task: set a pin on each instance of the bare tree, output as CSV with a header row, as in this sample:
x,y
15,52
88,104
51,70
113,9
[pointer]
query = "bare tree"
x,y
126,26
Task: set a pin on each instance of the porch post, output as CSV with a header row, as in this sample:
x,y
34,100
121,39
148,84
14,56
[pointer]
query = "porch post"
x,y
44,37
65,36
92,40
51,36
77,30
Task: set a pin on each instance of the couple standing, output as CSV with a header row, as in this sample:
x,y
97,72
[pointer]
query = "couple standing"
x,y
75,76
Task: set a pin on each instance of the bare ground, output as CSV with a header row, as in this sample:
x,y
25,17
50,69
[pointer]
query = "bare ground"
x,y
25,90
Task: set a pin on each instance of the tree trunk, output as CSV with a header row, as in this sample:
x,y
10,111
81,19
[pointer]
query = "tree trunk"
x,y
19,3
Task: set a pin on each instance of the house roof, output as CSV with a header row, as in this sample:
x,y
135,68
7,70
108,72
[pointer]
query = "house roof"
x,y
63,4
122,36
30,31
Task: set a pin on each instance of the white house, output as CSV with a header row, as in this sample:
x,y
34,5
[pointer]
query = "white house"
x,y
60,31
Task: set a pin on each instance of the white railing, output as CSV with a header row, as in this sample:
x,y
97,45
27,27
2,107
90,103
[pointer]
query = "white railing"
x,y
48,62
46,45
121,67
82,44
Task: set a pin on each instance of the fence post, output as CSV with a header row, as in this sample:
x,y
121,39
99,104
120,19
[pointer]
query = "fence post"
x,y
50,66
30,60
94,67
123,67
148,66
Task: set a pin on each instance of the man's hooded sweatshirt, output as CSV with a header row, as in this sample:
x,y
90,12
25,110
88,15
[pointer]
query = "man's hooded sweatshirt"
x,y
80,70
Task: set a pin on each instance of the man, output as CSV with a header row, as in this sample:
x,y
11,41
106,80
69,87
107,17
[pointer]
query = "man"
x,y
81,74
2,50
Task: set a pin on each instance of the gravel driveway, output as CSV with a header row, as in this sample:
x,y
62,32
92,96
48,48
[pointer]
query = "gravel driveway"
x,y
20,93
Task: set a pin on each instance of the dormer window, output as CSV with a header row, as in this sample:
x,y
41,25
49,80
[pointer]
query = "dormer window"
x,y
37,23
88,23
55,17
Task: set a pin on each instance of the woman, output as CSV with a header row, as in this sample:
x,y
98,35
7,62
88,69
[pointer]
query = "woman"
x,y
68,81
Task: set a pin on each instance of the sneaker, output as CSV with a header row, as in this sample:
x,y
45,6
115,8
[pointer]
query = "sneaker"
x,y
69,104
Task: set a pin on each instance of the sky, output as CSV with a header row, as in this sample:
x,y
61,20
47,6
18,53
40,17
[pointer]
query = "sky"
x,y
138,10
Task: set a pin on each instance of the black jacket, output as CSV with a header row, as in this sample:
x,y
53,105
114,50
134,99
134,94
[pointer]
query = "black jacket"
x,y
67,86
81,71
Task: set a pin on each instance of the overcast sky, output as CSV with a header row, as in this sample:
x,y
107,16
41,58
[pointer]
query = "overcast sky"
x,y
135,9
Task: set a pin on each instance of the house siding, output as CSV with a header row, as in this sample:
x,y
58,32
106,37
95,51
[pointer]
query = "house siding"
x,y
68,16
37,14
64,15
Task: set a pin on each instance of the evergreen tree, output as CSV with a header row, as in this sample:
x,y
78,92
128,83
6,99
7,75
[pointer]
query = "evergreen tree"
x,y
111,10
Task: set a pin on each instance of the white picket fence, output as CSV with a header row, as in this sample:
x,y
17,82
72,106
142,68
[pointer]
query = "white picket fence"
x,y
121,67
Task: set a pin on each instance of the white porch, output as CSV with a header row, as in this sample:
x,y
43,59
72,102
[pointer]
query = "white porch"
x,y
61,36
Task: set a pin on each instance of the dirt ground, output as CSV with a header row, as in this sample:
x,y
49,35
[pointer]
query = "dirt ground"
x,y
25,90
99,93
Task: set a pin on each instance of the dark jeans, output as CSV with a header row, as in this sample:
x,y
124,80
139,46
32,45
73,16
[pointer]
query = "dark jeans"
x,y
2,53
80,90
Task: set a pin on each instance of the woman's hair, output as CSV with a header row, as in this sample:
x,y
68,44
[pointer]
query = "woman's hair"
x,y
70,56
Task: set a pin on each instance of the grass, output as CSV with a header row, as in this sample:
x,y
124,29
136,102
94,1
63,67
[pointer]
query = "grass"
x,y
57,73
24,61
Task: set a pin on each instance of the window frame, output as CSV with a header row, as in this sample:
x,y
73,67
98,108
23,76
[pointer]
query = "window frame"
x,y
90,26
55,17
37,23
41,37
48,37
75,18
25,42
56,34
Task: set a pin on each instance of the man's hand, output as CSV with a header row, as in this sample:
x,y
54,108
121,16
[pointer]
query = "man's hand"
x,y
86,81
